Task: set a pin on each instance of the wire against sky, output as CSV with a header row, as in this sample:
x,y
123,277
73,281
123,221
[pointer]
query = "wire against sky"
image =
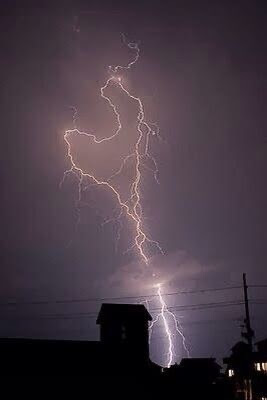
x,y
190,307
131,207
101,299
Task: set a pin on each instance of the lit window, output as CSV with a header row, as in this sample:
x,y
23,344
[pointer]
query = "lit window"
x,y
258,366
262,366
230,372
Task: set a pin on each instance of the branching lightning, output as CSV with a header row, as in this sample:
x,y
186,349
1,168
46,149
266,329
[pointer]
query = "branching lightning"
x,y
163,312
131,207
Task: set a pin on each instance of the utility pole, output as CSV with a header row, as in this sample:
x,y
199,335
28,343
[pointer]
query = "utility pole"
x,y
248,335
249,332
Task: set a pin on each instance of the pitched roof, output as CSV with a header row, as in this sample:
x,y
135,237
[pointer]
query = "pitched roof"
x,y
122,312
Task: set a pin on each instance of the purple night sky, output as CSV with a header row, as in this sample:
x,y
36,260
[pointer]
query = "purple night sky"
x,y
202,78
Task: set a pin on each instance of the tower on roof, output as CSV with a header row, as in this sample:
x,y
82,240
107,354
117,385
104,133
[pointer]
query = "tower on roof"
x,y
125,325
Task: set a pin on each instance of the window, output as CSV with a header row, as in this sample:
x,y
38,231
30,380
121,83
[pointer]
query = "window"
x,y
258,366
261,366
231,373
123,332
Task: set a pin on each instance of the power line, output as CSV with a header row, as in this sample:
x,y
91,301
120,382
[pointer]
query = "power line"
x,y
206,305
101,299
93,314
257,286
177,308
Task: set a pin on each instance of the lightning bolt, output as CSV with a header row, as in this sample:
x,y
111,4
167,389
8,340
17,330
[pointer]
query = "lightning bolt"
x,y
163,314
130,207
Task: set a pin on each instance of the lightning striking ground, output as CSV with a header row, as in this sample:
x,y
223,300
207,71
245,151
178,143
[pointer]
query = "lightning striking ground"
x,y
131,207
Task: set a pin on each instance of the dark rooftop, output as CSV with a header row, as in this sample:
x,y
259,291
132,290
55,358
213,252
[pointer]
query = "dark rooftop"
x,y
111,311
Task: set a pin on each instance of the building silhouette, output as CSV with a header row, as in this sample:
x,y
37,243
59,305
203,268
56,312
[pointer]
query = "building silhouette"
x,y
123,349
127,325
124,331
120,359
248,370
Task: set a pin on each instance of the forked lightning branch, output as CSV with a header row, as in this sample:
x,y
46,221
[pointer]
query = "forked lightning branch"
x,y
130,208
